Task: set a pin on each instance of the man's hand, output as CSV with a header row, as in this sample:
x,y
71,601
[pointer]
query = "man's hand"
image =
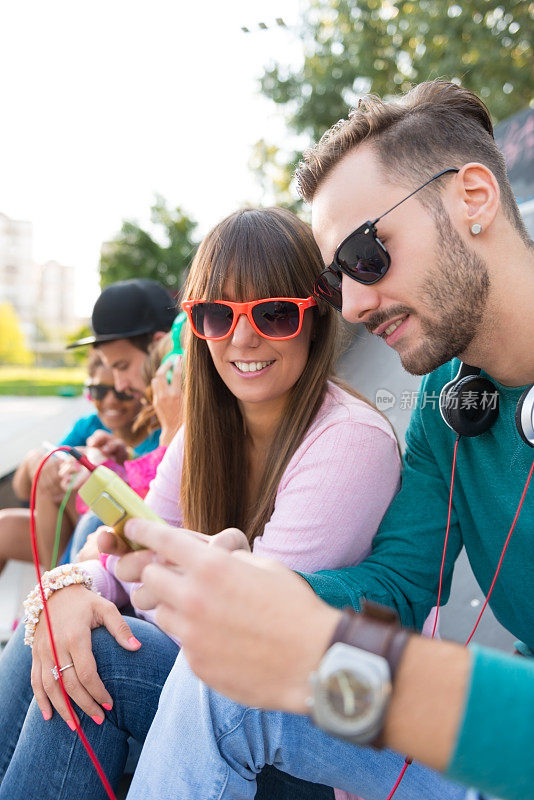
x,y
250,627
132,562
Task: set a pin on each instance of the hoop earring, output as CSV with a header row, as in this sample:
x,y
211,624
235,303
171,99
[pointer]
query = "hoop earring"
x,y
476,228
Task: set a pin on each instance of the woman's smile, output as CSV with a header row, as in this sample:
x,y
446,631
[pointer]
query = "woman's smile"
x,y
252,369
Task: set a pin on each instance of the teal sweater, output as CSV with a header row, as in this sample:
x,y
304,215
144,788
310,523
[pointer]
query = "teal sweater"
x,y
403,568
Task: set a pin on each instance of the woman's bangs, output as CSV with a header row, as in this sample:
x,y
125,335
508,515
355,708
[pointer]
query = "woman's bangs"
x,y
257,259
255,253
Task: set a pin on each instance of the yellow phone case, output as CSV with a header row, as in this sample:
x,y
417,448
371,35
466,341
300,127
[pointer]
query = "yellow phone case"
x,y
115,502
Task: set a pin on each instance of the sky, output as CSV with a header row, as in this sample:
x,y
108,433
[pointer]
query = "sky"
x,y
105,104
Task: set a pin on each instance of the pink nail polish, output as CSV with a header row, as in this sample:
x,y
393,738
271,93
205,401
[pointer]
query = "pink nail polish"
x,y
133,642
98,720
47,715
107,706
71,725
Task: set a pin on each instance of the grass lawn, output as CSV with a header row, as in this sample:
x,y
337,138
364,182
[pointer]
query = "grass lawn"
x,y
32,381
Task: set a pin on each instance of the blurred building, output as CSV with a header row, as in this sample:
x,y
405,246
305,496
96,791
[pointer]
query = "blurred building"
x,y
18,284
43,295
56,295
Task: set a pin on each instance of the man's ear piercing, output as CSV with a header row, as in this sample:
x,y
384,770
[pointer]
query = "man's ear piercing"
x,y
476,228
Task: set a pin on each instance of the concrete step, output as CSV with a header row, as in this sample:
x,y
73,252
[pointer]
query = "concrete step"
x,y
16,581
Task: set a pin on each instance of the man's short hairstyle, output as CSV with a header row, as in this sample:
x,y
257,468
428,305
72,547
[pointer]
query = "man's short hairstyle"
x,y
434,126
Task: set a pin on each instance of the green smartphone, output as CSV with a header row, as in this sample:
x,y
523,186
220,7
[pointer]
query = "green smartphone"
x,y
177,349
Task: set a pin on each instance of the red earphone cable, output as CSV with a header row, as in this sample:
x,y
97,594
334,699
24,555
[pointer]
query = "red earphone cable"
x,y
440,585
408,761
505,548
81,734
446,542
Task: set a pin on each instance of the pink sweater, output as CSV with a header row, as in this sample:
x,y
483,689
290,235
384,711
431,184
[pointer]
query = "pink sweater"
x,y
328,506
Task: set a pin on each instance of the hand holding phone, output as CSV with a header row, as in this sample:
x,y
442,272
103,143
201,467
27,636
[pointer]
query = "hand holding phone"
x,y
115,502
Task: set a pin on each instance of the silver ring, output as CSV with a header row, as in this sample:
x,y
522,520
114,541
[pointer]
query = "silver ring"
x,y
55,672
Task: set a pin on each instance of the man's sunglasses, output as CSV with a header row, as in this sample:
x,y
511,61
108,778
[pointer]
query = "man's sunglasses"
x,y
97,391
361,256
274,318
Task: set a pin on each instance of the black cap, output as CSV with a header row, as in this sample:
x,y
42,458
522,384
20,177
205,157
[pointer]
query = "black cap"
x,y
130,308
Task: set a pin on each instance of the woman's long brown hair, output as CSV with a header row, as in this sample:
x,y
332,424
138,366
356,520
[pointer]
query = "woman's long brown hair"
x,y
262,253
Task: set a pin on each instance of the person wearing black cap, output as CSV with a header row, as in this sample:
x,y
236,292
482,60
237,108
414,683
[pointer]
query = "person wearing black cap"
x,y
129,318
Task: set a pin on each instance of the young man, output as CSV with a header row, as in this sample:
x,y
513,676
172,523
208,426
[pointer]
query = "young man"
x,y
445,271
128,319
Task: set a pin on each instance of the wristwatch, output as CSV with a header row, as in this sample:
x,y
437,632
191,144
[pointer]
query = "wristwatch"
x,y
351,688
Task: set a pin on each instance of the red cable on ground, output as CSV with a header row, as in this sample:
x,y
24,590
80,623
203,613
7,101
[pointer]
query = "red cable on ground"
x,y
89,749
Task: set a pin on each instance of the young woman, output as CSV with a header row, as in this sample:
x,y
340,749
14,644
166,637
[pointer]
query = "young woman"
x,y
269,444
115,413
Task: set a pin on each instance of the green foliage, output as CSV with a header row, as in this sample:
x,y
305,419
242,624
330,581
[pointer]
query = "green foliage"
x,y
353,47
79,354
135,253
274,174
13,349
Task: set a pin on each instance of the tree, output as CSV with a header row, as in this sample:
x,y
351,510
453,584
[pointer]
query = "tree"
x,y
78,355
353,47
135,253
13,349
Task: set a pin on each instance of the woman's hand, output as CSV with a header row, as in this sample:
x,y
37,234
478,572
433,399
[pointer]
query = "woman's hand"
x,y
230,539
90,549
111,446
74,612
167,399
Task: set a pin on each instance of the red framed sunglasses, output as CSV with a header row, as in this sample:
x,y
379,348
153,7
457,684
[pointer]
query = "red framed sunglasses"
x,y
274,318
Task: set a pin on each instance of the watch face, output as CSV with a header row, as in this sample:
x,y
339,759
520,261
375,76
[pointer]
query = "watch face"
x,y
350,692
348,695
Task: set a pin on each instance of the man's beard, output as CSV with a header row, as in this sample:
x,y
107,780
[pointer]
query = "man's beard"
x,y
457,292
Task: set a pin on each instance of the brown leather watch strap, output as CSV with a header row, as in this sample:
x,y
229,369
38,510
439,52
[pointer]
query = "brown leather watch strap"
x,y
375,629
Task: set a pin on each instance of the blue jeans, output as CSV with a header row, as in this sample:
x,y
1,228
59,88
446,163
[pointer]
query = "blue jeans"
x,y
135,681
202,745
41,759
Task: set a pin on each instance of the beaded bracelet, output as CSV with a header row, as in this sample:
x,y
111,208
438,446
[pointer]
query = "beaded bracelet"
x,y
58,578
